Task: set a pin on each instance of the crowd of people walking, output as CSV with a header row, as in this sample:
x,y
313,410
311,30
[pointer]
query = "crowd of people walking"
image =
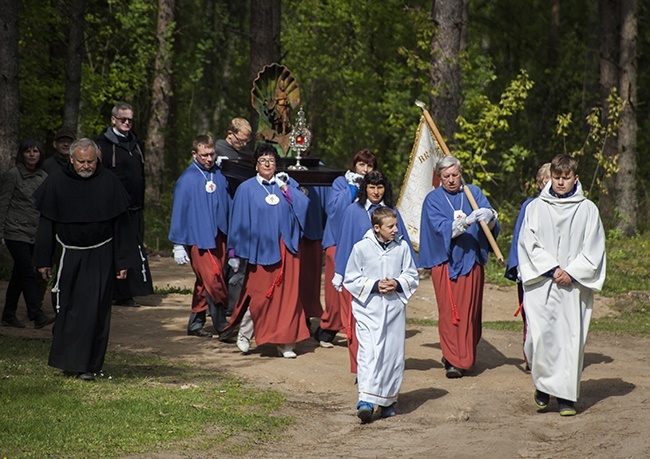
x,y
257,250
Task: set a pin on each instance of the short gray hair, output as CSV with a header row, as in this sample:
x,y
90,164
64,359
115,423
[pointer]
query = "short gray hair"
x,y
447,161
84,144
120,106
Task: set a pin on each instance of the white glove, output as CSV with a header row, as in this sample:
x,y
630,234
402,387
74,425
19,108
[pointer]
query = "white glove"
x,y
472,218
282,179
484,214
234,263
337,282
458,227
353,178
180,255
220,159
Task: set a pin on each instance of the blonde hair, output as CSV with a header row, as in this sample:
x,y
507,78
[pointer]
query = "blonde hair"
x,y
239,125
543,175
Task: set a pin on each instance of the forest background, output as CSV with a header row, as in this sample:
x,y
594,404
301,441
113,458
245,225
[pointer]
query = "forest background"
x,y
510,84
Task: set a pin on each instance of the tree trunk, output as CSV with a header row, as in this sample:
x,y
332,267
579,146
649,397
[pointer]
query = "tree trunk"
x,y
9,105
626,176
445,67
73,65
608,18
160,93
265,40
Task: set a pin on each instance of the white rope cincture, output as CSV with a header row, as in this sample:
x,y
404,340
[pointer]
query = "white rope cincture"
x,y
56,289
144,266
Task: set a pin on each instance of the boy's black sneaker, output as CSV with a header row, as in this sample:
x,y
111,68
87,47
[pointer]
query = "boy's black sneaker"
x,y
567,407
541,400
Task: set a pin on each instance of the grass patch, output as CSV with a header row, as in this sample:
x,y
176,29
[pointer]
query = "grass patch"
x,y
506,325
171,289
628,323
628,265
636,324
146,404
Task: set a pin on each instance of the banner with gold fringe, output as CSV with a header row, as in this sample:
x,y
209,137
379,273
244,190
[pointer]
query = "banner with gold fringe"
x,y
418,180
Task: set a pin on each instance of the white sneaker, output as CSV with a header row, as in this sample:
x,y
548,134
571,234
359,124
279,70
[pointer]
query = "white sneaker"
x,y
243,343
286,351
326,344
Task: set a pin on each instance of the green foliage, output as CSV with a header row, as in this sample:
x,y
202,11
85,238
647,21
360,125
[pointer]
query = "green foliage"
x,y
359,76
360,66
141,404
596,137
41,68
157,220
118,64
481,121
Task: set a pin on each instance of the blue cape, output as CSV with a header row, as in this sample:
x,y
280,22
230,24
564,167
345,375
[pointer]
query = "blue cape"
x,y
513,259
316,216
338,200
198,216
256,227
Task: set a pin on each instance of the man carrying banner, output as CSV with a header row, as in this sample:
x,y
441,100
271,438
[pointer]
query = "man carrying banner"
x,y
455,248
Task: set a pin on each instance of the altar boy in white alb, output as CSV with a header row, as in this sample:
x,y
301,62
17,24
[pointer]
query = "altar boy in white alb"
x,y
561,263
381,277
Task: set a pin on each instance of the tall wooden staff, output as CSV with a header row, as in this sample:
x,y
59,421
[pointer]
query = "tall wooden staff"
x,y
468,193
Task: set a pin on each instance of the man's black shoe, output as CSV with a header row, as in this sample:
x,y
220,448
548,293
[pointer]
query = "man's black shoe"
x,y
43,321
13,322
451,371
227,335
87,376
201,332
541,400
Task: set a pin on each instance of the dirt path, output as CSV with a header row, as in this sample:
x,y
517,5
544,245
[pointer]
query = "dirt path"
x,y
488,413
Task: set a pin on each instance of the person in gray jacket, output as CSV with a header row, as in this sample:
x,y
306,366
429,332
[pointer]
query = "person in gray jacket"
x,y
18,224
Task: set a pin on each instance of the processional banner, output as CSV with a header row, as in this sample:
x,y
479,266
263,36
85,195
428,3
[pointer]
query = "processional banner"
x,y
418,180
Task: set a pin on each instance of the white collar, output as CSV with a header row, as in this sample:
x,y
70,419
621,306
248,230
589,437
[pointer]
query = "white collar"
x,y
368,204
260,179
118,133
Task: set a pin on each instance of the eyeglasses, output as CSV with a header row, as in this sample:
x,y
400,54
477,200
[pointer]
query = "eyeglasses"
x,y
244,141
125,120
266,161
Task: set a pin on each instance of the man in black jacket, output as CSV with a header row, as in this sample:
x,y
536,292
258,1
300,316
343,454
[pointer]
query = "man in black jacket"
x,y
121,153
61,158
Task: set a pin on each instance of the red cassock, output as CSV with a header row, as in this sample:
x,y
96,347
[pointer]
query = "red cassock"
x,y
271,294
208,267
459,313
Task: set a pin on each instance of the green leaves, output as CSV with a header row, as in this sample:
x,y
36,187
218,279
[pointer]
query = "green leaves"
x,y
482,121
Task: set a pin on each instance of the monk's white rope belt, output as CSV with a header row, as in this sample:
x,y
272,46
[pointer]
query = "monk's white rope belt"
x,y
56,289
